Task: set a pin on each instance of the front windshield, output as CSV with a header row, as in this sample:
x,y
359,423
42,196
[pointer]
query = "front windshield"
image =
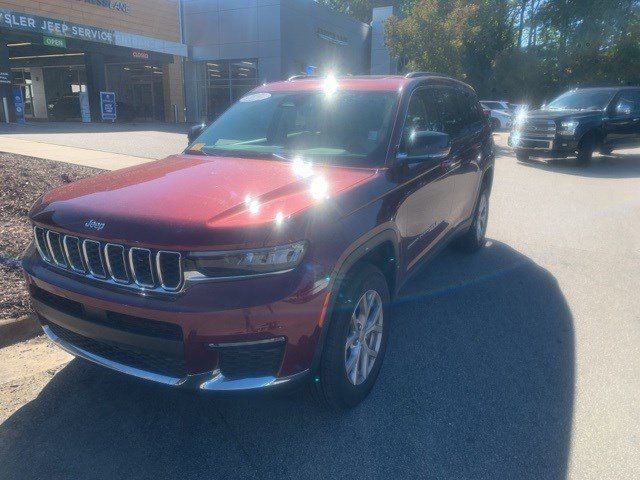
x,y
582,100
346,127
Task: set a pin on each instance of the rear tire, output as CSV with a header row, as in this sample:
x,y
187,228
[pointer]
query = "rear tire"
x,y
475,238
347,345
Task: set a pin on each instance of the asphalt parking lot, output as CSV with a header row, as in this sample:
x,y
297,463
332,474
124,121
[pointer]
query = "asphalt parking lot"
x,y
522,361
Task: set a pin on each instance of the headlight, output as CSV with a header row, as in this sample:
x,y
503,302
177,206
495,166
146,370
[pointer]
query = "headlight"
x,y
568,128
242,263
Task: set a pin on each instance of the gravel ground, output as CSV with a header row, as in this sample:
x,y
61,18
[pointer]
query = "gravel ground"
x,y
23,180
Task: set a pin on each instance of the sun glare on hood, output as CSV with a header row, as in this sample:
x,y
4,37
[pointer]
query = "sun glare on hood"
x,y
330,85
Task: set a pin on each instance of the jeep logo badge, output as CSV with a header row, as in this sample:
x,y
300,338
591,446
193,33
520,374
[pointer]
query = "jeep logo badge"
x,y
94,224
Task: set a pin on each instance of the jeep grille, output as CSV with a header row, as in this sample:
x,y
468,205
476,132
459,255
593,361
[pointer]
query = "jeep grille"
x,y
133,267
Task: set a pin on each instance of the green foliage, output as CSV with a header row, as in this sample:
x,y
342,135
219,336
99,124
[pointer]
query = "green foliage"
x,y
522,50
360,9
432,36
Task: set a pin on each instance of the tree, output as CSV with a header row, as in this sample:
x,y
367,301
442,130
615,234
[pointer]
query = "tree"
x,y
521,49
360,9
432,36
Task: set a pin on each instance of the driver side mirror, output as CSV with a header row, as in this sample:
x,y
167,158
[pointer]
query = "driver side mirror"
x,y
195,131
423,145
623,108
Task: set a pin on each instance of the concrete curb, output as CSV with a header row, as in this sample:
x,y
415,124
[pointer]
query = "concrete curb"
x,y
14,330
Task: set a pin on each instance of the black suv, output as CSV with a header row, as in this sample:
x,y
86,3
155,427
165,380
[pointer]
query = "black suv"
x,y
578,123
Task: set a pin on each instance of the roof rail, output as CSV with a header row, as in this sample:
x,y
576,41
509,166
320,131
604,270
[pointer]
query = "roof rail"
x,y
422,74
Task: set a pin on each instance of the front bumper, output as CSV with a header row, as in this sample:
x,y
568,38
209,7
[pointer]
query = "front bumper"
x,y
545,147
186,340
208,381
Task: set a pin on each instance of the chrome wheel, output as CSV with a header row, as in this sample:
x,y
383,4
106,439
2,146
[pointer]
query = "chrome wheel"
x,y
364,337
482,218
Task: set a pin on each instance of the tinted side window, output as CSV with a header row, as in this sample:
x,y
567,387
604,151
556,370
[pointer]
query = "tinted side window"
x,y
451,111
423,113
632,97
474,111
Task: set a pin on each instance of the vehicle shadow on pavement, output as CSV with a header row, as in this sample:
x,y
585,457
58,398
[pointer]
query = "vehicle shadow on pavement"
x,y
477,383
615,165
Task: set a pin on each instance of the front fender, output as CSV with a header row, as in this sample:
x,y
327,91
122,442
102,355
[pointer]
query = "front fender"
x,y
356,251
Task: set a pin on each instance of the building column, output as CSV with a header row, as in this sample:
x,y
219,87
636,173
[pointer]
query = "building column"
x,y
96,82
381,61
173,91
5,82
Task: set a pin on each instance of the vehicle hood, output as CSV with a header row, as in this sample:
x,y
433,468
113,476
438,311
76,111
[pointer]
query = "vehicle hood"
x,y
193,201
562,115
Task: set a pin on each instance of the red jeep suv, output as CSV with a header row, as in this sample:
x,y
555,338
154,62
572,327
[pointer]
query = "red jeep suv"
x,y
268,252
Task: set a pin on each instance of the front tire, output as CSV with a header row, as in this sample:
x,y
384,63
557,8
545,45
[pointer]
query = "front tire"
x,y
356,341
585,152
522,156
604,150
475,238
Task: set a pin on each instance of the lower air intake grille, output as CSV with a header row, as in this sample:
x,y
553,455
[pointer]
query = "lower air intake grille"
x,y
62,304
125,355
251,360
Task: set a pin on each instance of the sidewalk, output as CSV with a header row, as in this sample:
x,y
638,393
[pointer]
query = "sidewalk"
x,y
78,156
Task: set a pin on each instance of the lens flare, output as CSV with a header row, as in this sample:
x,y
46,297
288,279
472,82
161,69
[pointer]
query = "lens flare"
x,y
521,116
319,188
252,204
301,168
330,85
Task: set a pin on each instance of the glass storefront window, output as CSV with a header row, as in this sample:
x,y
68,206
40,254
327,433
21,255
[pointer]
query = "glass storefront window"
x,y
139,90
62,86
227,81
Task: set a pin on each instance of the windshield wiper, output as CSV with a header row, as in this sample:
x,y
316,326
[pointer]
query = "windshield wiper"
x,y
281,157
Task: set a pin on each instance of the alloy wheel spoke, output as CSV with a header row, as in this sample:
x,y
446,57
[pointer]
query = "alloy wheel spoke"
x,y
364,337
352,364
364,361
373,328
353,338
368,351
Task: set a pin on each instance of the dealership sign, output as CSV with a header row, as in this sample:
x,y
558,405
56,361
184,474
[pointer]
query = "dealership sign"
x,y
57,42
108,105
140,54
110,4
51,26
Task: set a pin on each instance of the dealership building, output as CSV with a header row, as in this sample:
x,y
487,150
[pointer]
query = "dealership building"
x,y
168,60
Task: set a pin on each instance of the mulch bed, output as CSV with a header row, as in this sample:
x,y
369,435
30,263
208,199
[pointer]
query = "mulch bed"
x,y
23,180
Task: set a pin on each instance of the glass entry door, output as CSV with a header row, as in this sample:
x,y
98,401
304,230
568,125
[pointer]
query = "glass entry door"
x,y
143,101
